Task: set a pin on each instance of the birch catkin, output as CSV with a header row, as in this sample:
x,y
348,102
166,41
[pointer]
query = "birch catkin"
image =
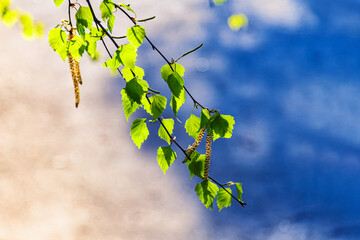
x,y
190,150
75,71
207,156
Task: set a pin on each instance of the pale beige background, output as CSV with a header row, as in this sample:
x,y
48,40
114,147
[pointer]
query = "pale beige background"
x,y
69,173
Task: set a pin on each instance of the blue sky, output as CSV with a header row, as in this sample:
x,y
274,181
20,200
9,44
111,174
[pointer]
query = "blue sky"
x,y
291,79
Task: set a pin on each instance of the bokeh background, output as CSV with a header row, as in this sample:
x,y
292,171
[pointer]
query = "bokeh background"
x,y
291,79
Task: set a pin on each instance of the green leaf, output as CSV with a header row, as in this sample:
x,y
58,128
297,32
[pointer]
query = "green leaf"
x,y
177,102
222,126
136,35
58,2
106,8
84,20
90,45
27,25
111,22
135,90
207,191
77,47
129,106
239,190
204,118
58,40
158,105
223,199
166,70
127,7
192,126
197,165
139,131
125,55
165,157
128,73
175,83
169,125
146,105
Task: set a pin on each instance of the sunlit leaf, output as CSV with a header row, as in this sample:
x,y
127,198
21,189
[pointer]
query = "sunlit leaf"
x,y
197,165
111,22
158,105
177,102
136,35
222,126
128,73
125,55
139,131
239,190
127,7
58,2
204,118
223,199
10,17
84,20
165,157
129,106
77,47
58,40
192,126
166,70
169,125
106,8
206,190
135,90
175,83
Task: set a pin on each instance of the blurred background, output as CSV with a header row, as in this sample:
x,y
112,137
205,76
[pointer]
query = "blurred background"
x,y
290,78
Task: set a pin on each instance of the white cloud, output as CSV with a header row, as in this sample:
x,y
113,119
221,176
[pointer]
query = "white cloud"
x,y
331,108
286,13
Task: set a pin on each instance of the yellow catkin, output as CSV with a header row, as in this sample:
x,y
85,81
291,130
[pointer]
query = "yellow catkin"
x,y
207,156
190,150
75,71
74,78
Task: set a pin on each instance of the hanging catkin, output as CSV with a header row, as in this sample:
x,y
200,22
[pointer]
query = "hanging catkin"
x,y
207,156
75,71
192,148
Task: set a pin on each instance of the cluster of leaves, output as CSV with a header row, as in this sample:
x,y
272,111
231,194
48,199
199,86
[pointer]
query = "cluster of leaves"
x,y
137,93
10,17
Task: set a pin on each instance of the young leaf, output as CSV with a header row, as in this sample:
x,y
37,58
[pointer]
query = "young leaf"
x,y
237,21
106,8
127,7
207,191
139,131
222,126
169,125
239,190
136,35
192,126
135,90
58,2
158,105
125,55
175,83
177,102
77,47
84,20
10,17
165,157
166,70
90,45
197,165
129,106
223,199
111,22
128,73
204,118
58,40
